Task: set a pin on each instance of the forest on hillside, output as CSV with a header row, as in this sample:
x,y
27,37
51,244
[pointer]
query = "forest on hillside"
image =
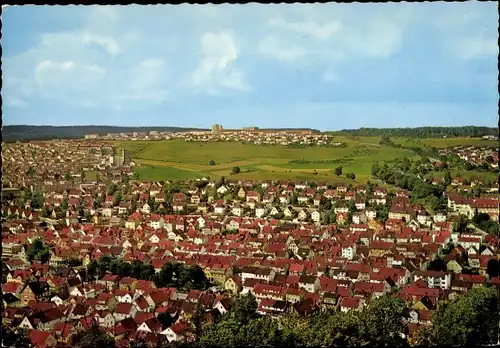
x,y
423,132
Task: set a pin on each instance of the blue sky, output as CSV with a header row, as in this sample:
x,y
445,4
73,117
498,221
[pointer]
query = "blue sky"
x,y
323,66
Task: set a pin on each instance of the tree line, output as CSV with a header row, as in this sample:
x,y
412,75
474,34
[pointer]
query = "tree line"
x,y
405,175
26,133
325,161
471,319
172,274
422,132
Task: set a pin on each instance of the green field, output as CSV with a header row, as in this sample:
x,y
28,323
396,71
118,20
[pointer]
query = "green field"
x,y
163,173
177,159
91,175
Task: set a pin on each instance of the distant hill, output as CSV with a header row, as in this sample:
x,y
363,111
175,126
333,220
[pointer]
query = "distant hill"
x,y
422,132
25,133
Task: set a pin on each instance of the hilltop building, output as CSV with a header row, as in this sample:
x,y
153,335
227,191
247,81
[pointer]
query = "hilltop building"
x,y
217,128
91,136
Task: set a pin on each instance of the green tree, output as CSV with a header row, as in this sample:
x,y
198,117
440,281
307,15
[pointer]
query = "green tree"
x,y
338,171
493,268
117,198
197,321
44,212
92,269
223,334
64,204
260,332
38,251
469,320
92,338
44,256
211,163
17,339
375,169
37,200
437,265
236,170
111,189
332,329
386,141
447,178
244,308
165,319
383,322
138,344
147,272
164,277
461,224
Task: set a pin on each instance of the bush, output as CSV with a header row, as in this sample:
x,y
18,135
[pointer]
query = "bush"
x,y
211,163
236,170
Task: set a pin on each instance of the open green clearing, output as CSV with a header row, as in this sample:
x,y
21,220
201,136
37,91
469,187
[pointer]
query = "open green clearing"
x,y
178,159
158,173
92,175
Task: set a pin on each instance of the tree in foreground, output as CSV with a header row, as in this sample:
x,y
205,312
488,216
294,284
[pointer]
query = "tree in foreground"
x,y
93,338
493,268
244,308
469,320
383,322
14,339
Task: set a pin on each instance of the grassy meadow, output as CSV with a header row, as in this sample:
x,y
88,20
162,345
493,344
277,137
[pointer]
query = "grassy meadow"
x,y
177,159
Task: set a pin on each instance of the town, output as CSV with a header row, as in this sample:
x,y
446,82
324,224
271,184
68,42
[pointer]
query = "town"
x,y
251,135
86,245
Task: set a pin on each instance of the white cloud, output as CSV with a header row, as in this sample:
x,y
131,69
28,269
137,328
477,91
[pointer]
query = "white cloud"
x,y
271,46
381,39
329,76
215,68
319,31
77,41
146,82
474,48
17,103
62,75
375,37
108,43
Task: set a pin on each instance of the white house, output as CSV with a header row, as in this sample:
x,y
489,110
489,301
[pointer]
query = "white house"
x,y
222,190
316,216
309,283
260,212
348,251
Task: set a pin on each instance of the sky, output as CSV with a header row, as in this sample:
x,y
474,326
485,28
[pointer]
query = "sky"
x,y
323,66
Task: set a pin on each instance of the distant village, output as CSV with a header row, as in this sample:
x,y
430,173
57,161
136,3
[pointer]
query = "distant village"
x,y
82,251
251,135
